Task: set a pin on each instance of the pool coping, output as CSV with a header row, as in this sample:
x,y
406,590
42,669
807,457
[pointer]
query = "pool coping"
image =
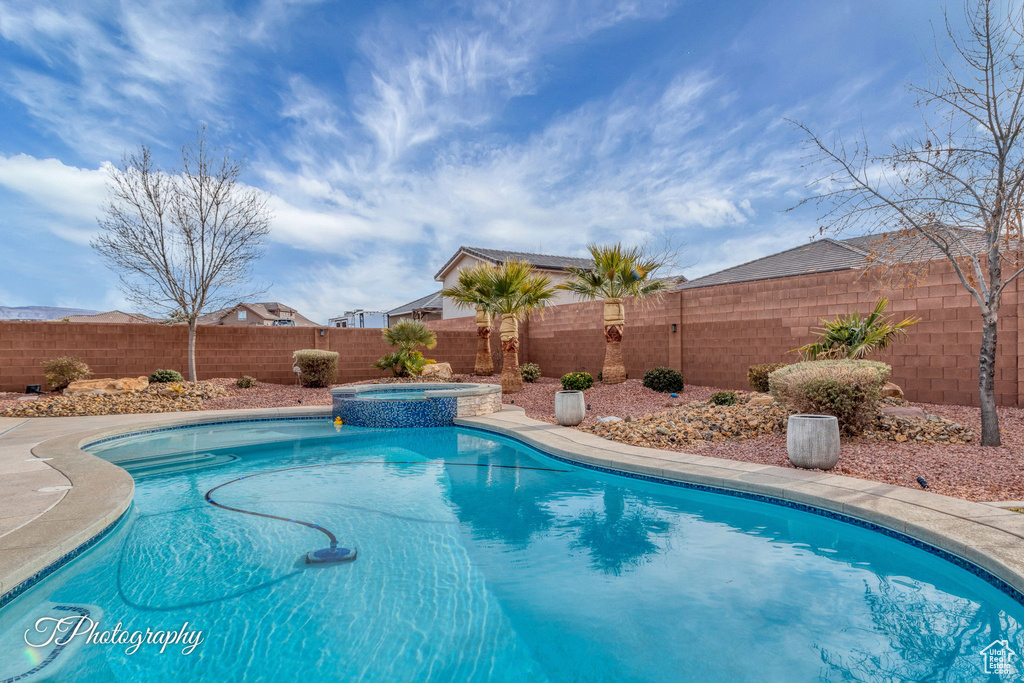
x,y
452,389
987,536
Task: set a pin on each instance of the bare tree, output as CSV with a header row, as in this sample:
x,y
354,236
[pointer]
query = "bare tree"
x,y
954,185
182,241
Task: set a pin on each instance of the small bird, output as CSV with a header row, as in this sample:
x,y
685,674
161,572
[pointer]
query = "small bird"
x,y
923,482
300,400
588,406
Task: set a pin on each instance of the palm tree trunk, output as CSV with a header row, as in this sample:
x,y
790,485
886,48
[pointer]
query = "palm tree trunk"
x,y
614,370
484,363
511,378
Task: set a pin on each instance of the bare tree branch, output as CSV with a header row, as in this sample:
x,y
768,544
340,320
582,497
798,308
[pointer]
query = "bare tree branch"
x,y
182,241
957,185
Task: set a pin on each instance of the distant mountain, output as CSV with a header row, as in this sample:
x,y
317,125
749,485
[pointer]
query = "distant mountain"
x,y
39,312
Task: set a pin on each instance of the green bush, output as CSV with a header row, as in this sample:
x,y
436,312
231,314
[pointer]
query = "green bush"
x,y
406,335
62,371
723,398
848,389
665,380
757,375
403,363
165,376
530,372
316,368
245,382
577,381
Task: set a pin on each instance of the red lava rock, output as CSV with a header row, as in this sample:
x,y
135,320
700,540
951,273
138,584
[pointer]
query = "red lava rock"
x,y
904,411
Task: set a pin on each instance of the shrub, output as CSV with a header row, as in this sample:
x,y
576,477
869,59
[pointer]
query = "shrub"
x,y
854,336
723,398
530,372
316,368
665,380
406,335
577,381
62,371
757,375
245,382
403,363
848,389
165,376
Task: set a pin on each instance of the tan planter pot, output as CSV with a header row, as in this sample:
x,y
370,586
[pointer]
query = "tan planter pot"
x,y
812,441
570,408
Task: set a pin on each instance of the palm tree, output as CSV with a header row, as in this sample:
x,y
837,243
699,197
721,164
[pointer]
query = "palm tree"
x,y
617,273
854,337
471,290
406,334
515,290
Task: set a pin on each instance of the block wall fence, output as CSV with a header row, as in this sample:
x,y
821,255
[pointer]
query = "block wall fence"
x,y
718,333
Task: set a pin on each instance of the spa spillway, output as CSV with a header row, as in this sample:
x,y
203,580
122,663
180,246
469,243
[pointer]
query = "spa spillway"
x,y
413,405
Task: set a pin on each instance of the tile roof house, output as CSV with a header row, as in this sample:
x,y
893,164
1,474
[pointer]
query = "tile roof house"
x,y
111,317
429,307
555,267
268,314
827,255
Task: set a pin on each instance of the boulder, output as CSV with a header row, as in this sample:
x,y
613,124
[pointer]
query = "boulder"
x,y
904,411
761,400
891,390
441,372
125,385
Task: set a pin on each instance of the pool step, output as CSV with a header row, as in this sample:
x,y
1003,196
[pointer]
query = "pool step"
x,y
174,462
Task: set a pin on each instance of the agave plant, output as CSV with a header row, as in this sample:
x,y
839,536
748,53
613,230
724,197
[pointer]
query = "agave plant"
x,y
618,273
854,336
472,289
406,334
514,290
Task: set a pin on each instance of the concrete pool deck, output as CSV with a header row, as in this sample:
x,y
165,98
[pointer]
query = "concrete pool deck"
x,y
54,497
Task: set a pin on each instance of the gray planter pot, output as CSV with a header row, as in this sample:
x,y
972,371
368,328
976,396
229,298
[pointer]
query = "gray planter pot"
x,y
570,408
813,441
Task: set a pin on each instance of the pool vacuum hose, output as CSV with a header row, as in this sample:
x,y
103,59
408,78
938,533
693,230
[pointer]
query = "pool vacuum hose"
x,y
333,554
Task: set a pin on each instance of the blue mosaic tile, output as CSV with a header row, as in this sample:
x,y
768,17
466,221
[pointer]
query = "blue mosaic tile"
x,y
403,413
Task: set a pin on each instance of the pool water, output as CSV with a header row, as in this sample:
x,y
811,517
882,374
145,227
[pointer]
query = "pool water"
x,y
480,559
407,395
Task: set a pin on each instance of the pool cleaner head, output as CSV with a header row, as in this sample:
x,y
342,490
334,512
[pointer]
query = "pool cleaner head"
x,y
330,555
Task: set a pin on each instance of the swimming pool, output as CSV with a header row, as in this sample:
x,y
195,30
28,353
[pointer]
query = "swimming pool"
x,y
483,559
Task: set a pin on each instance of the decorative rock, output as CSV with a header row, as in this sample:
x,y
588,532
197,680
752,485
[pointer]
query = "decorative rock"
x,y
891,390
102,387
570,408
607,420
148,400
907,412
441,372
761,400
812,441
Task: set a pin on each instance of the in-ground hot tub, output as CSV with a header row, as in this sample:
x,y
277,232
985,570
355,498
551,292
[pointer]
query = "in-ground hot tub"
x,y
430,404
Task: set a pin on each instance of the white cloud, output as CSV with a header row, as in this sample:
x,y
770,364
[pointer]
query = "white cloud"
x,y
372,281
56,188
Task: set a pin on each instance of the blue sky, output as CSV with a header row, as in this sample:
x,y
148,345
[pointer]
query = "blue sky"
x,y
386,134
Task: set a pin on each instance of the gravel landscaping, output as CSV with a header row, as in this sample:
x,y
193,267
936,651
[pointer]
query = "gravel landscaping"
x,y
896,451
